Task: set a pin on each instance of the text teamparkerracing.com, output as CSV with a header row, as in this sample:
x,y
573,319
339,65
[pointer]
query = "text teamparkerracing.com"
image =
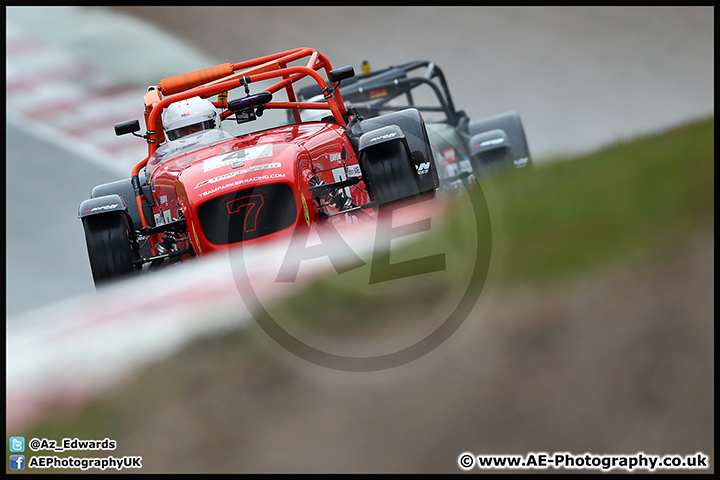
x,y
565,460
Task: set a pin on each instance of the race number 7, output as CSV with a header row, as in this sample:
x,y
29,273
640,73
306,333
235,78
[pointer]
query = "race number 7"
x,y
252,205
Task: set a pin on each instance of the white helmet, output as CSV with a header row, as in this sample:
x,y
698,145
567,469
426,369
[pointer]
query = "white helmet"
x,y
189,116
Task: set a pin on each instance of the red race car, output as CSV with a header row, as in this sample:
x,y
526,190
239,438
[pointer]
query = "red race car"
x,y
201,189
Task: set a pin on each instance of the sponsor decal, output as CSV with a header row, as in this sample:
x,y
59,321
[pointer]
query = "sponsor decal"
x,y
335,157
305,209
237,158
166,216
378,93
521,162
242,182
180,193
353,171
382,137
238,172
423,168
163,198
158,219
197,241
494,141
103,207
338,176
449,154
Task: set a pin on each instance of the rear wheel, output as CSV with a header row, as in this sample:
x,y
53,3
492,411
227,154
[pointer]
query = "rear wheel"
x,y
110,245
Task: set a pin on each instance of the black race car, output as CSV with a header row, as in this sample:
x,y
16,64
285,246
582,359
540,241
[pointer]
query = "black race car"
x,y
462,148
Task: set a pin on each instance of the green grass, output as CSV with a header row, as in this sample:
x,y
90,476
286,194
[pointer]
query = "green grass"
x,y
631,202
628,204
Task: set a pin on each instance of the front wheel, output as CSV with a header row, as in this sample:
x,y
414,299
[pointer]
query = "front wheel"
x,y
514,153
110,245
389,172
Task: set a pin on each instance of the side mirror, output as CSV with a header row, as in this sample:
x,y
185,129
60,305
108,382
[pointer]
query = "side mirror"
x,y
131,126
240,104
341,73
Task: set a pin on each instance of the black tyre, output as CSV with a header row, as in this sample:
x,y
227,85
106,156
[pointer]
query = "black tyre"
x,y
511,124
422,160
125,189
389,172
110,245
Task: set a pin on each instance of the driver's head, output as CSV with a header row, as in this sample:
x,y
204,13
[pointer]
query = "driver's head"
x,y
189,116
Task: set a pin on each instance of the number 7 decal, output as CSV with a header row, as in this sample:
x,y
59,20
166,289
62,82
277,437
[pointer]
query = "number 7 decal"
x,y
253,203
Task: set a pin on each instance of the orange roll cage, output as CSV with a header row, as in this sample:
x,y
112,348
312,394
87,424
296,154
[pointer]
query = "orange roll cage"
x,y
221,78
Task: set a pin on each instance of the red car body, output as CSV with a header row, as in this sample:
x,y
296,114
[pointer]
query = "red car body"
x,y
290,155
213,195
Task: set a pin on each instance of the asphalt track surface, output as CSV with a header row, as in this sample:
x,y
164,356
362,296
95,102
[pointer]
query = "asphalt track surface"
x,y
45,253
580,78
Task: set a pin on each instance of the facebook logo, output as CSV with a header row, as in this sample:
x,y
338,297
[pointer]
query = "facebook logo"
x,y
17,462
17,444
